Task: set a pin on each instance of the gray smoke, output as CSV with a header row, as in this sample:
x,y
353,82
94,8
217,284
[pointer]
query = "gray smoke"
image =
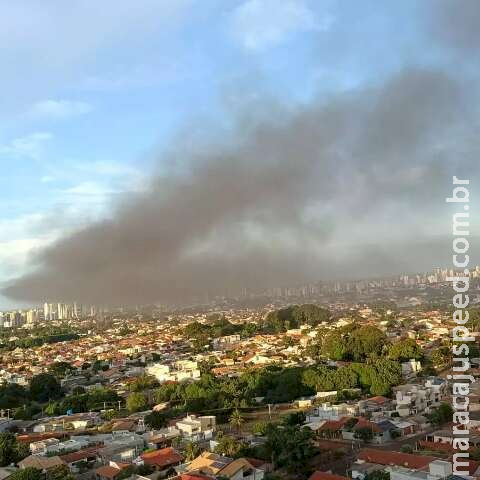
x,y
295,195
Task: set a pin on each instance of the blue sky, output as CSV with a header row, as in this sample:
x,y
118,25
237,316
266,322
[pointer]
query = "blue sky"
x,y
94,92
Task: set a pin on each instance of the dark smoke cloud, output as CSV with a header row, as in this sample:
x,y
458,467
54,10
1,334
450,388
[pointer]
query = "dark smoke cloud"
x,y
455,23
284,202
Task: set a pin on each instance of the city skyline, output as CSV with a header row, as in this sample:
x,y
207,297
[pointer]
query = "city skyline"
x,y
58,310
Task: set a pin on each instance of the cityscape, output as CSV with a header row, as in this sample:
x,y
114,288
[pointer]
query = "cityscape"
x,y
239,240
437,278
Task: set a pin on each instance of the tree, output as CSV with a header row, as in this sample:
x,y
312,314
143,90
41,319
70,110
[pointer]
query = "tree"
x,y
192,450
60,472
28,473
136,402
365,341
10,450
156,420
60,369
12,395
441,415
441,356
296,418
44,387
144,382
228,446
405,350
290,447
260,428
236,419
165,392
364,433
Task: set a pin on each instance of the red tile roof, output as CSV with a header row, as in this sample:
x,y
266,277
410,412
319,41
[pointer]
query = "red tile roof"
x,y
162,458
108,471
382,457
80,455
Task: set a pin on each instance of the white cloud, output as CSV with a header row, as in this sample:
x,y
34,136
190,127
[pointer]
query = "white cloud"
x,y
28,146
261,24
59,109
90,188
22,235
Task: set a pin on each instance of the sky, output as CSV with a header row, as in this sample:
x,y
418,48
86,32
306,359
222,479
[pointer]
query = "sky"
x,y
162,150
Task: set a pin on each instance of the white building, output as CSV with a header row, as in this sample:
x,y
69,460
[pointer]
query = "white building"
x,y
198,428
182,370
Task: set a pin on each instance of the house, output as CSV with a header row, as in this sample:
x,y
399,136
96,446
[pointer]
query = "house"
x,y
197,428
332,428
404,427
122,447
208,464
40,463
442,440
374,405
386,458
241,469
412,399
78,421
161,438
74,459
227,342
381,430
328,411
44,447
304,402
111,471
437,470
182,370
162,459
257,359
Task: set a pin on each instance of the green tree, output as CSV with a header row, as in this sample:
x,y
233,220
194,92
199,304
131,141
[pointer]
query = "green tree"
x,y
441,356
406,449
442,414
192,450
156,420
236,420
290,447
165,392
364,433
229,446
44,387
296,418
10,450
61,472
260,428
136,402
60,369
144,382
405,350
28,473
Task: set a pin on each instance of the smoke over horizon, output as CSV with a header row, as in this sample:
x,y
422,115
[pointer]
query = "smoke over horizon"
x,y
355,182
